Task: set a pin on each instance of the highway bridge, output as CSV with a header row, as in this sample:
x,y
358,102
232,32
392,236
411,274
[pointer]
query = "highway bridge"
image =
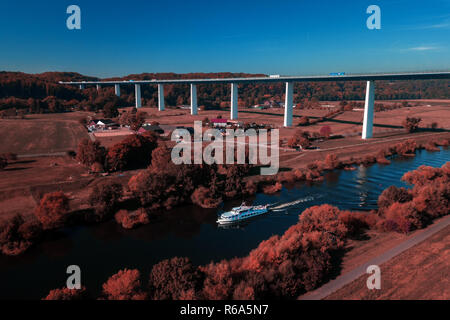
x,y
289,80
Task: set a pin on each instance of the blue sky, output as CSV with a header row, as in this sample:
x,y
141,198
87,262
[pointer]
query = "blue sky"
x,y
300,37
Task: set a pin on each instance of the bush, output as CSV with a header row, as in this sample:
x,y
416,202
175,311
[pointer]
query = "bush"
x,y
131,220
202,197
411,124
89,152
66,294
392,195
16,235
357,222
271,189
406,148
300,139
331,162
104,198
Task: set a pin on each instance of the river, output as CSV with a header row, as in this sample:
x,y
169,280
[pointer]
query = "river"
x,y
101,250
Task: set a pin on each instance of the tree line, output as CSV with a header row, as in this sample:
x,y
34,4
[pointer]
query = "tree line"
x,y
31,91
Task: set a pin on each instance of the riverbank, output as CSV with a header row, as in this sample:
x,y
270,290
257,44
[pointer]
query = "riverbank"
x,y
305,256
81,199
419,273
196,237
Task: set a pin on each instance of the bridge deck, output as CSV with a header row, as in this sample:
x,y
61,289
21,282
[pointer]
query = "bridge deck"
x,y
356,77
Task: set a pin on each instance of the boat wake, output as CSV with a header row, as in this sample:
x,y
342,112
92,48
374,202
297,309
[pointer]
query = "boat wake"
x,y
288,205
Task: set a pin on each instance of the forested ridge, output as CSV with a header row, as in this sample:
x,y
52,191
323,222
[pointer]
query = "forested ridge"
x,y
37,93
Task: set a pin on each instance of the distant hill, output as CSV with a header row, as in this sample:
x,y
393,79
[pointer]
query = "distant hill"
x,y
42,93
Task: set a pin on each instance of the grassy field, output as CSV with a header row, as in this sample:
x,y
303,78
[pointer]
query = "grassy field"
x,y
40,135
421,272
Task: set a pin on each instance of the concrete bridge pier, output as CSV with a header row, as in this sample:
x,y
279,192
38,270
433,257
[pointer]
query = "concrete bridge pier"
x,y
117,89
288,104
82,87
99,86
137,95
160,97
234,101
367,132
194,107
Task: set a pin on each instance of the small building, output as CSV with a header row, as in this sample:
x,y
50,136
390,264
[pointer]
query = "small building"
x,y
219,123
105,124
92,125
236,123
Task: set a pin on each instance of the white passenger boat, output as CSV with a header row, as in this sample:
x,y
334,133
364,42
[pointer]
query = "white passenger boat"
x,y
242,213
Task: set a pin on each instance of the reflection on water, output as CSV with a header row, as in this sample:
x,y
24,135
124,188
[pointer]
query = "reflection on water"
x,y
361,185
101,250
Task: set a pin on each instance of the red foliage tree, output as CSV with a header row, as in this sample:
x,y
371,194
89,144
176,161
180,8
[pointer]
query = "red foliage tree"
x,y
124,285
324,218
52,210
174,279
133,119
90,152
203,197
408,210
406,148
104,198
135,151
273,188
331,162
16,235
392,195
131,220
218,283
300,139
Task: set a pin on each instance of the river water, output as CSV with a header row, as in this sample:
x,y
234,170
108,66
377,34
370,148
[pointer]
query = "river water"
x,y
101,250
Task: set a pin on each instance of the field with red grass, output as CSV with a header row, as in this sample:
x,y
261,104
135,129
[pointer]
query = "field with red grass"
x,y
422,272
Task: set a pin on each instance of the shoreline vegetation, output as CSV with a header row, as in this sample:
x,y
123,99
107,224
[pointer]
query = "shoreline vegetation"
x,y
285,266
164,185
280,267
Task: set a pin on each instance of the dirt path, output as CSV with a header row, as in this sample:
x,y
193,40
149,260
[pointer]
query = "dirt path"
x,y
353,275
38,155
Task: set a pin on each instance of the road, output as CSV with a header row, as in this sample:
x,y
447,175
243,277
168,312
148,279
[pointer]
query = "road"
x,y
351,276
